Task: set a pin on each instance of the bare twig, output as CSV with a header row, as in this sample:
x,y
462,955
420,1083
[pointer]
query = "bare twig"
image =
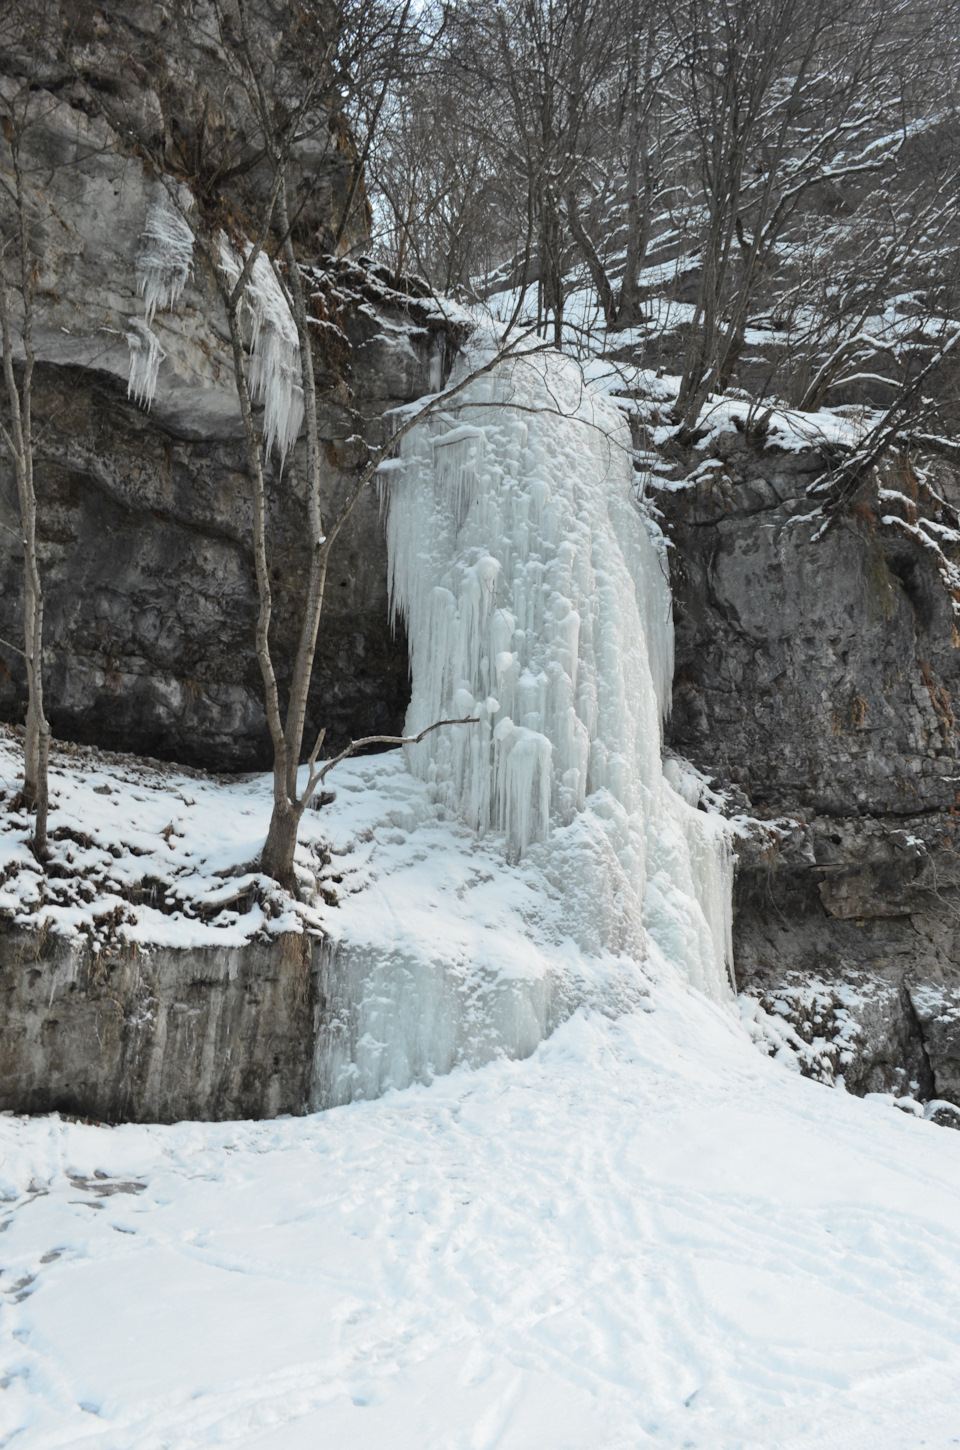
x,y
356,745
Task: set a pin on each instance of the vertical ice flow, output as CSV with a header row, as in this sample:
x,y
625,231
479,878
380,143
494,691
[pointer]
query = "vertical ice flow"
x,y
536,599
146,355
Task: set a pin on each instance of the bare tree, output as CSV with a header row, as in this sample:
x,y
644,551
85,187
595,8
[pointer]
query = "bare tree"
x,y
18,106
489,143
783,96
622,153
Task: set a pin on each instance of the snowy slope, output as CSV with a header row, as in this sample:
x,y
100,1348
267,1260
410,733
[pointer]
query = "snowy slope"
x,y
443,953
645,1234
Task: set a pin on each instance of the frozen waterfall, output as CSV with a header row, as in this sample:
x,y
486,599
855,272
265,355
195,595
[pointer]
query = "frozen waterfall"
x,y
536,598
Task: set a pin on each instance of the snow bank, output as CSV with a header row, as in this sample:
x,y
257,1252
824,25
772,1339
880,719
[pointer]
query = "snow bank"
x,y
645,1234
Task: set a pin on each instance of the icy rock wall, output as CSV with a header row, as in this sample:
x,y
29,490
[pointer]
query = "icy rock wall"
x,y
536,602
391,1017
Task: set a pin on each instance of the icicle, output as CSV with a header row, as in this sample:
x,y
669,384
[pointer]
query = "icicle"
x,y
522,774
164,259
536,601
146,355
274,352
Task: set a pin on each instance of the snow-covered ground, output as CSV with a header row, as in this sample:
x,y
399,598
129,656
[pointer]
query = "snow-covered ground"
x,y
645,1234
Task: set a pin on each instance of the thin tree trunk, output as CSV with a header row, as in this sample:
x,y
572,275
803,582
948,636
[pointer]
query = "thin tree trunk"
x,y
264,594
19,444
628,312
598,274
638,218
280,847
313,605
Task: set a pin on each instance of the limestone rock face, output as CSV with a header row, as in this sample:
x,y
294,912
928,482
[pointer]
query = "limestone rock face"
x,y
815,681
157,1036
144,515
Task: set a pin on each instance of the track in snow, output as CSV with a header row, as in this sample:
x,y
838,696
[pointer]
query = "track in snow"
x,y
645,1234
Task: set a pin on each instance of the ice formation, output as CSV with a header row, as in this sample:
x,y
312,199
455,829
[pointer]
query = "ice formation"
x,y
163,266
274,352
164,258
536,600
146,355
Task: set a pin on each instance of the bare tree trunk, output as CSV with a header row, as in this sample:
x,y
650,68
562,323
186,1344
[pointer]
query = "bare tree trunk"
x,y
280,847
18,440
598,273
313,605
638,157
628,312
264,593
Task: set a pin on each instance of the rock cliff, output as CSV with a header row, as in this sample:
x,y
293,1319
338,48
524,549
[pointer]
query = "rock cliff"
x,y
144,514
814,682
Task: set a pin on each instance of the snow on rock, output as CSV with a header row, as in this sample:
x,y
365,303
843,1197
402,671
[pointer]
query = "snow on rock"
x,y
144,853
536,603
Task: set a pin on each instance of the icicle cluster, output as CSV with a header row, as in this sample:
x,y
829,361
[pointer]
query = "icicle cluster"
x,y
274,352
164,259
162,268
536,600
146,355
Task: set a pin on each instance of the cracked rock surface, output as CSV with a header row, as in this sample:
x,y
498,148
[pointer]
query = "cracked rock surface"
x,y
815,682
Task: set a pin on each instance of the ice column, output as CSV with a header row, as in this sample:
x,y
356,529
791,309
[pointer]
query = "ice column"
x,y
536,600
